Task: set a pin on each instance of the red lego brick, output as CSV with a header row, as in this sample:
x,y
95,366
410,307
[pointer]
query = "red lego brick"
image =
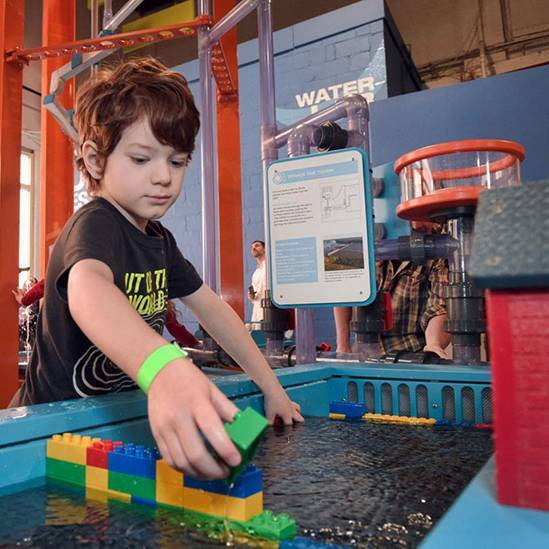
x,y
98,455
518,324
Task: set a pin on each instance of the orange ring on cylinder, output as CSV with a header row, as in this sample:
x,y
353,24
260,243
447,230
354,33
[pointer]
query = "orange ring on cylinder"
x,y
472,145
420,209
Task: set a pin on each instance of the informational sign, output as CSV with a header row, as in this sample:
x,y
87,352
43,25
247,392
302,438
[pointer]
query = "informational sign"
x,y
321,230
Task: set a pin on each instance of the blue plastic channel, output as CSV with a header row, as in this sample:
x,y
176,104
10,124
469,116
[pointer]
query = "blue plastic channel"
x,y
477,521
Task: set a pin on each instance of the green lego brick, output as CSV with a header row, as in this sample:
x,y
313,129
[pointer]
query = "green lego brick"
x,y
245,432
129,484
72,473
268,526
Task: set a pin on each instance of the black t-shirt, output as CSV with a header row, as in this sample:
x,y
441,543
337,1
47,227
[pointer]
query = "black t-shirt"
x,y
148,268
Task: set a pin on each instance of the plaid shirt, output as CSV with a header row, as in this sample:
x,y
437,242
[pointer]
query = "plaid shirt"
x,y
416,297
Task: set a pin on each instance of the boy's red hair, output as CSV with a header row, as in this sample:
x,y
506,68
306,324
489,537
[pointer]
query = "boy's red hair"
x,y
117,97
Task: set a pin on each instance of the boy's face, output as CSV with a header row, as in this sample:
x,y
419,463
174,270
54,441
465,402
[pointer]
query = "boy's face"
x,y
142,177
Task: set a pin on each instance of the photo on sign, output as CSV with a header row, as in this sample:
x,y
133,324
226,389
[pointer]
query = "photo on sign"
x,y
343,254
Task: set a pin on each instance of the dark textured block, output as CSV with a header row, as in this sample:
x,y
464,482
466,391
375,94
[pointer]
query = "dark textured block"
x,y
511,240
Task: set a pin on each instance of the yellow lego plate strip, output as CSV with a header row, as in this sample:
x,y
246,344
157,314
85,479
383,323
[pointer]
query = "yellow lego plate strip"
x,y
383,418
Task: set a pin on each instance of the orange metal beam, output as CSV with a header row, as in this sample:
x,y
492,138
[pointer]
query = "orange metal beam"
x,y
229,177
11,101
56,169
54,50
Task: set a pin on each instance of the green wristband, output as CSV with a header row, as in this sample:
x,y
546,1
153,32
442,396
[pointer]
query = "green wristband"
x,y
155,362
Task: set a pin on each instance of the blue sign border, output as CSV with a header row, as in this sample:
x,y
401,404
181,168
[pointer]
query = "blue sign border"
x,y
369,231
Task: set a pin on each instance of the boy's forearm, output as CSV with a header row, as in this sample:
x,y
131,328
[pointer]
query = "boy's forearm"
x,y
226,327
108,319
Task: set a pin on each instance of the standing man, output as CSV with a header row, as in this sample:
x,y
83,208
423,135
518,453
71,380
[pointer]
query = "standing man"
x,y
256,292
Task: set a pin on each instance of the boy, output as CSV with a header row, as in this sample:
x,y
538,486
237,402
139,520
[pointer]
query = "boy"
x,y
113,270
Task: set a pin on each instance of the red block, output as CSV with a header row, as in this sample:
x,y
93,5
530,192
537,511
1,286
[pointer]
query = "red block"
x,y
98,454
518,328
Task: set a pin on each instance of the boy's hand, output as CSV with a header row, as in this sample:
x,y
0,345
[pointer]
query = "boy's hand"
x,y
279,404
182,403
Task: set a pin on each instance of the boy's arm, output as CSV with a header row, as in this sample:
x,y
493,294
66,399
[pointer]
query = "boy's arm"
x,y
225,326
182,401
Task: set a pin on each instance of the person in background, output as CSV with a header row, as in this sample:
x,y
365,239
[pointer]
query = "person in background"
x,y
27,297
177,330
419,310
256,292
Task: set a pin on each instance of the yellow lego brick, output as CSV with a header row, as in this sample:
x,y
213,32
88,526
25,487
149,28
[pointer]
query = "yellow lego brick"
x,y
167,475
69,447
55,448
242,509
97,478
337,416
169,494
120,496
97,495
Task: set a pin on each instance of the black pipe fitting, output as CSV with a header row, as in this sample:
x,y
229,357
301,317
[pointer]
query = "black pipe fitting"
x,y
334,137
367,322
275,321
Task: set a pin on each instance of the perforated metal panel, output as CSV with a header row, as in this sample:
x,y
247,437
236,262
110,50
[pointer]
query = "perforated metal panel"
x,y
448,404
352,392
449,400
404,407
487,416
422,401
370,397
386,399
468,405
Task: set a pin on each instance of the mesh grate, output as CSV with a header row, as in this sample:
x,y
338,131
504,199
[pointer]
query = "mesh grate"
x,y
386,399
422,401
487,405
404,408
370,398
352,392
468,404
448,404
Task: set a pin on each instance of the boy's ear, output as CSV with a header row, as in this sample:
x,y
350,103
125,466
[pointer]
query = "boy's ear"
x,y
93,161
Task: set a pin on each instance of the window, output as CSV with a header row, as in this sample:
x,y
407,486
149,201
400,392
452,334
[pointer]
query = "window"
x,y
26,219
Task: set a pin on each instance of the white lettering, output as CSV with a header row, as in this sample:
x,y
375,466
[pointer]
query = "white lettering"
x,y
322,95
365,84
349,87
335,90
307,99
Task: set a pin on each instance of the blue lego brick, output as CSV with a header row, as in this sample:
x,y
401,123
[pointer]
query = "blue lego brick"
x,y
349,409
134,460
144,501
250,482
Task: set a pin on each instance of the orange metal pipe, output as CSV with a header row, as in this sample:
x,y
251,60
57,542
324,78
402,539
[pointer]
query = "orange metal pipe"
x,y
231,271
56,169
11,100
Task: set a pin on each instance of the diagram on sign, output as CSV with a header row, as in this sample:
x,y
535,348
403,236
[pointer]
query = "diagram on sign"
x,y
340,202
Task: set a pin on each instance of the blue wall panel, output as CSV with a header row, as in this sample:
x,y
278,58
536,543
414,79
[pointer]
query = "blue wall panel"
x,y
511,106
